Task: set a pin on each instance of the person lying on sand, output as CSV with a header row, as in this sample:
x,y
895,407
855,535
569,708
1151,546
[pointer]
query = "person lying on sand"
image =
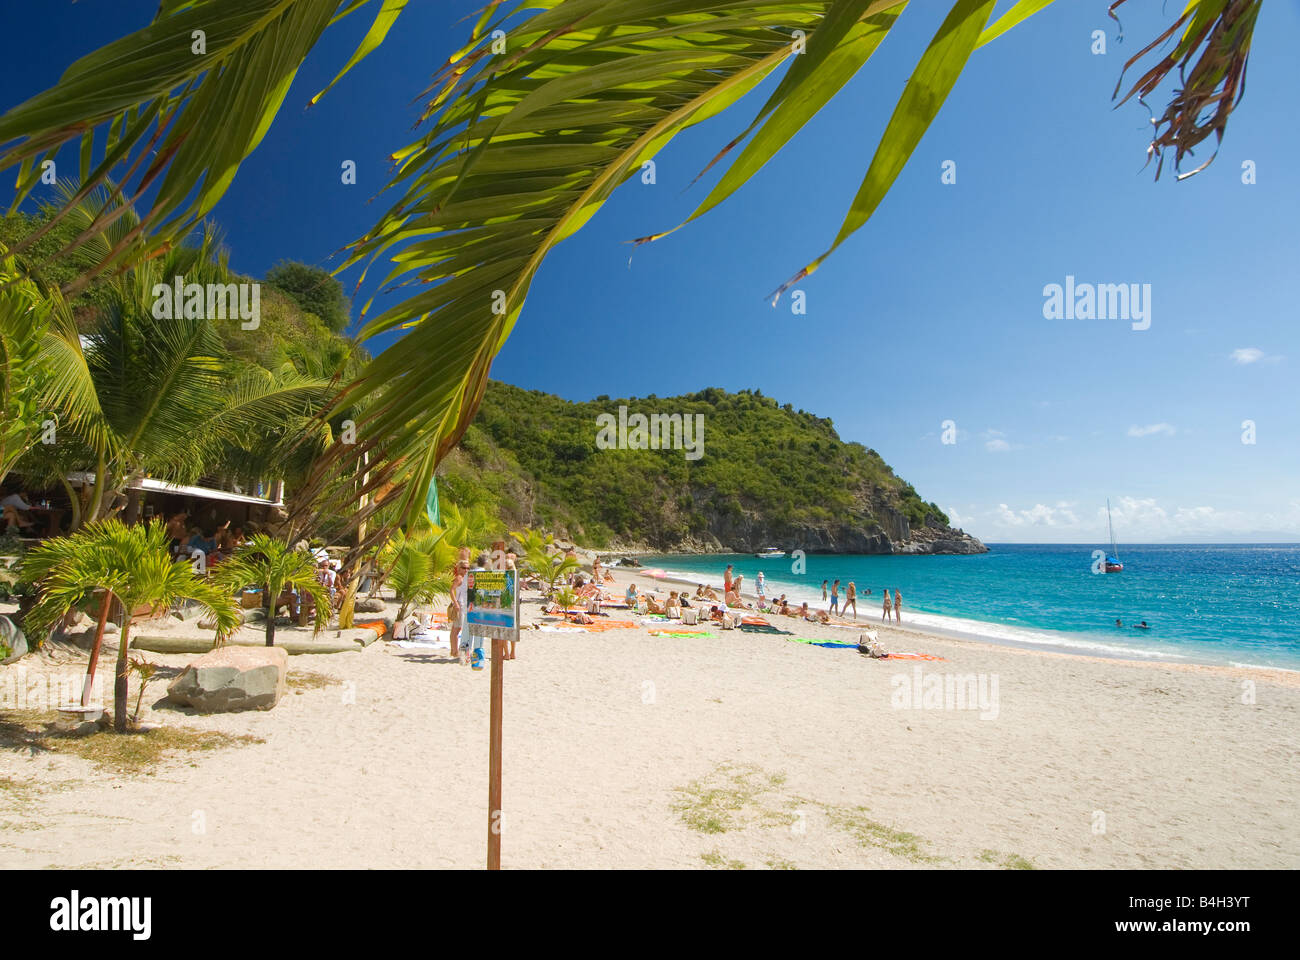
x,y
653,605
706,593
815,616
722,616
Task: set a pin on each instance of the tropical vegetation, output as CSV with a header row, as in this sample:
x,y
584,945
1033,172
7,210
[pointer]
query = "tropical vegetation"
x,y
127,565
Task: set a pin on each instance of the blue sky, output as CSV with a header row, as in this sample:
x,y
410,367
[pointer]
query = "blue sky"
x,y
932,312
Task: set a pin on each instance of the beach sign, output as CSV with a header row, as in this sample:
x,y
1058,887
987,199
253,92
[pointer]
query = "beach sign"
x,y
492,603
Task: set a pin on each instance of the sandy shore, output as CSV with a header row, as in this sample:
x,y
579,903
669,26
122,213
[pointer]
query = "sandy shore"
x,y
624,749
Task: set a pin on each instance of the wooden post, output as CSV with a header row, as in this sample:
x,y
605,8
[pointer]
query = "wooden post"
x,y
494,760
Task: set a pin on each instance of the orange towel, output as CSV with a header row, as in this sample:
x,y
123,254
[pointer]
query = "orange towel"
x,y
378,626
755,621
601,625
913,656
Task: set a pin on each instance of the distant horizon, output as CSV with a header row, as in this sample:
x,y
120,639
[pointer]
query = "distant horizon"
x,y
1084,544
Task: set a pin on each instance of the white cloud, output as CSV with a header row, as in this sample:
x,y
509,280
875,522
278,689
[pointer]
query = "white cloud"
x,y
1137,520
995,441
1039,515
1244,356
1166,429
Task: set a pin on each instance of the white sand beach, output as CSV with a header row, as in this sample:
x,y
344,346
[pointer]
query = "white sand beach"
x,y
627,750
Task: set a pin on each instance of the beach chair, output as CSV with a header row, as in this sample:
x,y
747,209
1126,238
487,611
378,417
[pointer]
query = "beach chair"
x,y
690,616
728,622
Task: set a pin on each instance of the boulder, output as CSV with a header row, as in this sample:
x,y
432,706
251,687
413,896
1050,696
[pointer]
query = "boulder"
x,y
369,605
13,644
232,678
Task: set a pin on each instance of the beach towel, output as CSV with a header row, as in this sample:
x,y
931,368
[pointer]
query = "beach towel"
x,y
426,640
601,626
379,626
829,644
912,656
680,634
759,625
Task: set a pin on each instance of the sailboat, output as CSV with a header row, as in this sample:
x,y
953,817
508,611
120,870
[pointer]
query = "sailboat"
x,y
1112,562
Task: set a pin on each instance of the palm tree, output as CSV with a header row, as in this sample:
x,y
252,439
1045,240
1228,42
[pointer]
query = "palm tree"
x,y
272,565
522,148
39,359
418,568
132,566
541,557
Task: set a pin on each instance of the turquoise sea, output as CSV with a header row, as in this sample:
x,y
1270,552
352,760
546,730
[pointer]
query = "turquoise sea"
x,y
1205,603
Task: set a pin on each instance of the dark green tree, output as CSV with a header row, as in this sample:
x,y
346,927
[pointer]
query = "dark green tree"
x,y
314,290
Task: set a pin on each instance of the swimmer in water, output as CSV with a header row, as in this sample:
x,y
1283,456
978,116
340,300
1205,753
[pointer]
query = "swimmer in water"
x,y
1118,622
1141,626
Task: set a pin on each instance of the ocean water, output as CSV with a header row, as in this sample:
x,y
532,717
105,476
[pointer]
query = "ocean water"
x,y
1205,603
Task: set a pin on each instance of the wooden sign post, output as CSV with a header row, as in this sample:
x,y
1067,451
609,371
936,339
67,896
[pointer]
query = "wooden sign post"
x,y
492,610
494,760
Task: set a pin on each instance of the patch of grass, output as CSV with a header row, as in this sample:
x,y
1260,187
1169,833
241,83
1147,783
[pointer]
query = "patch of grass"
x,y
871,833
718,861
777,863
714,804
134,752
1009,861
300,680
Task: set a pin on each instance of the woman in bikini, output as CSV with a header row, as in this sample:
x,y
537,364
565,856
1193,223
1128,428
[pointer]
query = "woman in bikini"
x,y
898,607
851,600
888,605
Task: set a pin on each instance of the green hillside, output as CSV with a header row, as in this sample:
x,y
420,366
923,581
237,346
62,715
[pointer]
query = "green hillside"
x,y
768,474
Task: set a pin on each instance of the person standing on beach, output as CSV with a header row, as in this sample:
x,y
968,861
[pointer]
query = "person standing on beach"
x,y
835,597
851,600
824,582
726,580
898,606
758,585
456,609
885,616
508,649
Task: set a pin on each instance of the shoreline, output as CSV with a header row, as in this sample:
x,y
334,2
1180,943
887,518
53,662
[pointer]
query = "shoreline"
x,y
1284,675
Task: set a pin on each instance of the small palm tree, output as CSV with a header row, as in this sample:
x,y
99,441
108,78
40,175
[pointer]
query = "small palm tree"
x,y
272,565
566,598
131,565
537,553
418,569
